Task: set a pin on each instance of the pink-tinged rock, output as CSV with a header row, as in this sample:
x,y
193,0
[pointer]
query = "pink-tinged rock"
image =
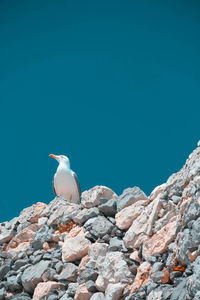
x,y
143,276
6,237
192,255
166,215
93,196
142,226
82,264
25,235
82,293
127,215
114,291
75,247
182,205
44,288
46,246
134,256
159,189
20,248
157,244
32,213
61,211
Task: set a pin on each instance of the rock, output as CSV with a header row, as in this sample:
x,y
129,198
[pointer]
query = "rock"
x,y
96,255
19,263
157,244
2,293
21,296
82,293
75,248
88,274
114,291
97,196
72,287
125,217
101,226
134,256
4,270
69,273
6,237
130,196
109,208
32,213
91,286
179,293
44,288
60,209
13,284
41,236
33,275
142,277
97,296
141,227
114,269
85,214
115,244
157,266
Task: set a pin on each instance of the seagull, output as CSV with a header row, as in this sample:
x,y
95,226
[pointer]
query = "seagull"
x,y
65,182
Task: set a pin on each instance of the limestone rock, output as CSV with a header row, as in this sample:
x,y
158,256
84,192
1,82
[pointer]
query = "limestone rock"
x,y
44,288
82,293
75,248
97,196
130,196
32,213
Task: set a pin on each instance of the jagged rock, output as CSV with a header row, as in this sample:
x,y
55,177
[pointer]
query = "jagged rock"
x,y
33,275
82,293
41,236
141,227
130,196
97,196
32,213
86,214
2,293
113,270
114,291
101,226
98,296
4,270
13,284
142,277
125,217
91,286
115,244
75,248
60,209
69,273
6,237
44,288
96,255
109,208
21,296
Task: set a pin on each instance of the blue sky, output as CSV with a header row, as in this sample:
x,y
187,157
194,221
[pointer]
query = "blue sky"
x,y
114,85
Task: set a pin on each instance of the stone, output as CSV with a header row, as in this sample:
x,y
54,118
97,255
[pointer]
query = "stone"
x,y
125,217
75,248
91,286
44,288
4,270
41,236
115,244
109,209
32,213
19,263
82,293
101,226
62,208
88,274
130,196
98,296
72,287
134,256
114,291
179,291
142,226
69,273
96,255
85,214
143,276
21,296
13,285
114,269
2,293
157,276
6,237
33,275
157,266
97,196
158,243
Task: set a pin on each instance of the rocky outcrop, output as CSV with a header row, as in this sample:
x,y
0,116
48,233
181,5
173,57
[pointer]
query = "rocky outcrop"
x,y
108,247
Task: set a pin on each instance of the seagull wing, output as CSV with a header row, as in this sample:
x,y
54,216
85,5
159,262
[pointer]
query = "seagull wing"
x,y
77,183
54,187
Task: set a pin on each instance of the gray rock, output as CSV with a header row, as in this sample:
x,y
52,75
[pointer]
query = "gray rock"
x,y
69,273
72,287
59,267
85,214
175,274
157,266
115,244
156,276
13,285
41,236
4,270
175,199
114,291
88,274
2,293
51,274
6,237
180,292
151,259
33,275
21,296
19,263
91,286
197,296
101,226
130,196
98,296
36,259
109,208
150,287
52,297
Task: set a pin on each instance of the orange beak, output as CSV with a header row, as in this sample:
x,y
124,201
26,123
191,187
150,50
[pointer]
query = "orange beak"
x,y
52,155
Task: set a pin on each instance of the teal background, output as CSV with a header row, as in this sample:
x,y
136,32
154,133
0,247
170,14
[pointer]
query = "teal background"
x,y
112,84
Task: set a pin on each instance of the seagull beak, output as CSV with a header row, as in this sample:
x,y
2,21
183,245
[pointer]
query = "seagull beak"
x,y
52,155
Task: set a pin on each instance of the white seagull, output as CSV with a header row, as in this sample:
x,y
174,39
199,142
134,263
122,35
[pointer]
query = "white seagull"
x,y
65,182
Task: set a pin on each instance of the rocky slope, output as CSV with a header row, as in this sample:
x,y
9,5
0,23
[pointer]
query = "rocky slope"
x,y
109,247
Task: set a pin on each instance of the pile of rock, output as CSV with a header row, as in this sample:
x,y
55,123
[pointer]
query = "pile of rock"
x,y
108,247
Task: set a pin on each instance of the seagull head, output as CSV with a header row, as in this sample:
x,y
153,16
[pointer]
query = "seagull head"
x,y
62,159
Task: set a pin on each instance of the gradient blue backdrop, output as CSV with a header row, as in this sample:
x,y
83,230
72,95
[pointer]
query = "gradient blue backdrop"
x,y
112,84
